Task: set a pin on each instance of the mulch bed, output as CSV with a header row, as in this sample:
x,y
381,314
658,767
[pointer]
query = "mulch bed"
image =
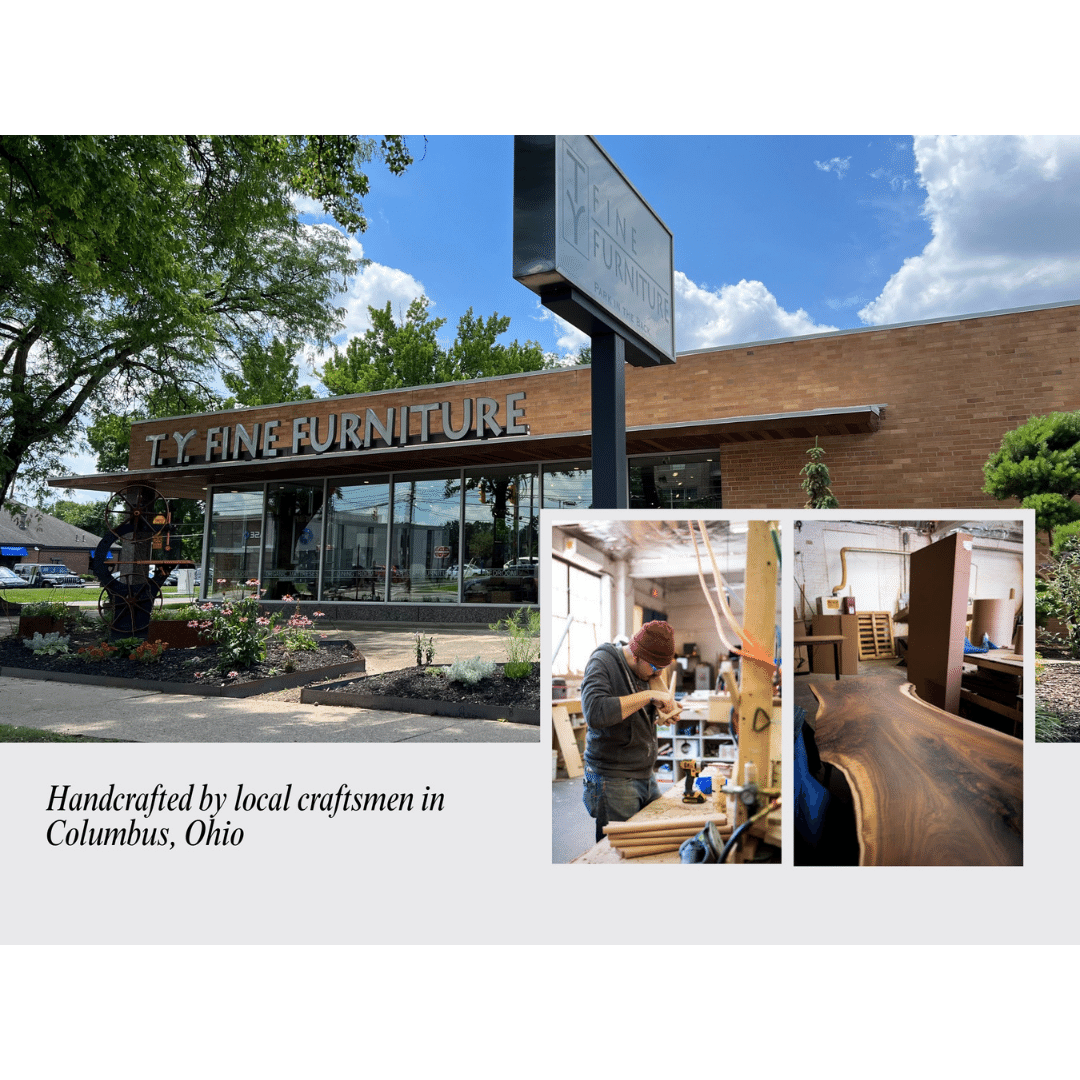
x,y
409,688
1058,693
182,666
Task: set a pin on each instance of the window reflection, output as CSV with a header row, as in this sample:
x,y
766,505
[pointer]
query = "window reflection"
x,y
424,548
568,486
291,544
501,518
235,540
354,563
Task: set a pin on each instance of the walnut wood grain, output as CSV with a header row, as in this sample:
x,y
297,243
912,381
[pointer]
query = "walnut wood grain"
x,y
930,788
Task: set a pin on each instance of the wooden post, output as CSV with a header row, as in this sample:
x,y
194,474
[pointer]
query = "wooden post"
x,y
755,690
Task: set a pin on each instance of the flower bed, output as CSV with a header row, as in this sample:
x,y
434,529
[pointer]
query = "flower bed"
x,y
180,671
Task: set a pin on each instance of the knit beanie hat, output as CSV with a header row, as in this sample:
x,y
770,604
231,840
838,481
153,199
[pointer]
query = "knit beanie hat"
x,y
654,643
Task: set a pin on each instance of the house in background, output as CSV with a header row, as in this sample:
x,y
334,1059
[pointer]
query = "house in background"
x,y
32,536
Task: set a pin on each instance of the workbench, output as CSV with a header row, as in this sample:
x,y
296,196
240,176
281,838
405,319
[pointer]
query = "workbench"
x,y
997,685
669,807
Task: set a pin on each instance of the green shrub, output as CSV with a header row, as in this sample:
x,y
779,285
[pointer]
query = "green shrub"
x,y
180,613
517,669
522,630
46,609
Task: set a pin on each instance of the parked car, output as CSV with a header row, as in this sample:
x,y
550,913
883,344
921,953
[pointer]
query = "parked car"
x,y
58,574
523,567
10,580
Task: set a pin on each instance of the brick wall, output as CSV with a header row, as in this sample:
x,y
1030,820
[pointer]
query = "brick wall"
x,y
952,390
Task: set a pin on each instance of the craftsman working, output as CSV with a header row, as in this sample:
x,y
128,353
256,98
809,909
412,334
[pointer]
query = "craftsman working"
x,y
622,710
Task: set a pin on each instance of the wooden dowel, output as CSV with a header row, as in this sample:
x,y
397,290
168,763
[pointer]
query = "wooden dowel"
x,y
664,823
669,838
635,853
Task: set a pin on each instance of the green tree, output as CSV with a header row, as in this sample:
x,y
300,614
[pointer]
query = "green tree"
x,y
1039,464
129,263
389,356
819,495
109,435
267,376
88,516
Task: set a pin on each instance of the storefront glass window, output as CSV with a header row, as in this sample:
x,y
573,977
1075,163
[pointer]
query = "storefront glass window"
x,y
235,540
568,486
501,517
675,480
354,563
426,530
291,545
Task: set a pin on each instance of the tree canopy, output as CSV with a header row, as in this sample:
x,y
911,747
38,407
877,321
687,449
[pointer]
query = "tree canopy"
x,y
267,376
1039,464
390,355
129,263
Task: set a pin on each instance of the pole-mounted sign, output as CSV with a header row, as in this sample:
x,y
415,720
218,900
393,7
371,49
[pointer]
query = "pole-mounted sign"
x,y
598,255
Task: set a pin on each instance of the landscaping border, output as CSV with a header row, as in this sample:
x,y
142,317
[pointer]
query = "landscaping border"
x,y
328,695
236,690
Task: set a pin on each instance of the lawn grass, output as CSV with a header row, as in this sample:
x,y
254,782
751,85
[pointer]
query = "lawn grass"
x,y
14,733
62,595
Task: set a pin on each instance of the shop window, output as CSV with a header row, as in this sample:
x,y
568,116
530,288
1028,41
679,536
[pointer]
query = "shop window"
x,y
235,540
568,486
675,481
291,544
499,565
354,561
425,538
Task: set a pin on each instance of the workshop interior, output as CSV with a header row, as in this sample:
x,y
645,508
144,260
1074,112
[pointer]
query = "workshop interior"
x,y
718,759
908,692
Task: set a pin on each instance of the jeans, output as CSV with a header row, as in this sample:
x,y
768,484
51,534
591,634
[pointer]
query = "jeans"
x,y
615,798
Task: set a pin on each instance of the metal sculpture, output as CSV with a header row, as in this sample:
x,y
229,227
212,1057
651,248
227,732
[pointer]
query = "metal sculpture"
x,y
140,520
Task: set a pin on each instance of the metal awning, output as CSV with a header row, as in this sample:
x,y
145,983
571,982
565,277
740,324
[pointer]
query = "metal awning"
x,y
6,550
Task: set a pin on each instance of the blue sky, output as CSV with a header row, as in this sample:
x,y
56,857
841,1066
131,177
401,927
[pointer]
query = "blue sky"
x,y
773,235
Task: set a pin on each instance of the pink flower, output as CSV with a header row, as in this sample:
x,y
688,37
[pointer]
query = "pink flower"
x,y
319,614
199,674
193,625
252,582
262,620
233,674
221,580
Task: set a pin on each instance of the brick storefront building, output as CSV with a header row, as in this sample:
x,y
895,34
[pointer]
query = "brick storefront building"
x,y
341,497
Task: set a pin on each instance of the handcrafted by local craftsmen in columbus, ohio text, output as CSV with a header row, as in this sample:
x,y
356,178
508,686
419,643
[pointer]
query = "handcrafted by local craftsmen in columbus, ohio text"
x,y
204,831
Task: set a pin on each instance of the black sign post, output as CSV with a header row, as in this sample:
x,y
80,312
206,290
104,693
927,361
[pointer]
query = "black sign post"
x,y
610,484
597,255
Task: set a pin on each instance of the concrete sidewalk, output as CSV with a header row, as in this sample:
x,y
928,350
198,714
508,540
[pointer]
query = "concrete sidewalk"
x,y
148,716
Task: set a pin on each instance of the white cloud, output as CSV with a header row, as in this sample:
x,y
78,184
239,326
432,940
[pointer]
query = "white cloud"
x,y
1005,217
570,338
732,314
836,165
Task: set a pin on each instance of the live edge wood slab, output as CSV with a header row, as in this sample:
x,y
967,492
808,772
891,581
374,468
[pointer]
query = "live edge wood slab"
x,y
930,788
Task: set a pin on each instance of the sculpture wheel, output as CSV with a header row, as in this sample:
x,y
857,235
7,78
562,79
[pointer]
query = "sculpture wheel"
x,y
930,788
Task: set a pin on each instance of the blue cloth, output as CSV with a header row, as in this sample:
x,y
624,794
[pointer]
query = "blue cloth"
x,y
811,799
969,648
